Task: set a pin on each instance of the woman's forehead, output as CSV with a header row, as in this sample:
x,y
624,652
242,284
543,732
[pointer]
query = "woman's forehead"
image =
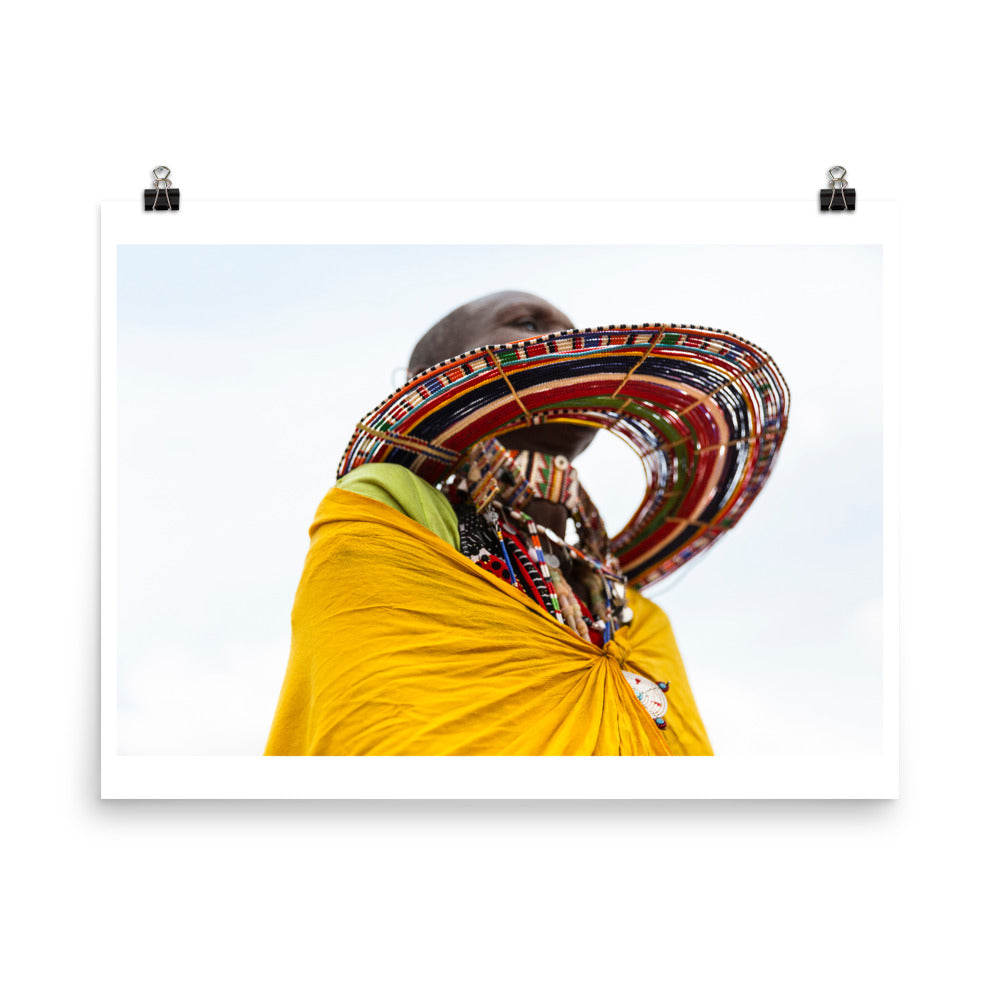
x,y
516,305
490,319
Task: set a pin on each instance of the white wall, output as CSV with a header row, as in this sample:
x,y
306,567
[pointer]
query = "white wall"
x,y
540,100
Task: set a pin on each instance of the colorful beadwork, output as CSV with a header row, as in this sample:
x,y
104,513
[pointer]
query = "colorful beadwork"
x,y
514,539
705,411
596,570
549,477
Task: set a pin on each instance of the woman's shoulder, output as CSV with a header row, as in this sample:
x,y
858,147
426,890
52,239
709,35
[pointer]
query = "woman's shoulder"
x,y
404,491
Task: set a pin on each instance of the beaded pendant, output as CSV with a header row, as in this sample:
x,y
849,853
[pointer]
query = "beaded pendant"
x,y
651,694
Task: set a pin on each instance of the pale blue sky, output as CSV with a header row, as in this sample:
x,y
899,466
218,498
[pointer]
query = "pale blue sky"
x,y
242,370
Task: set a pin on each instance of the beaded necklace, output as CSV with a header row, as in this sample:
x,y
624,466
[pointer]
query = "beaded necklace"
x,y
549,477
490,493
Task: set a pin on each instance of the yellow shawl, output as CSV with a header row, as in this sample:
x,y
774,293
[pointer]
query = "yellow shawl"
x,y
402,645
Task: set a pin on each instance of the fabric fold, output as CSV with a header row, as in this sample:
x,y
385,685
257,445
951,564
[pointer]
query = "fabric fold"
x,y
403,646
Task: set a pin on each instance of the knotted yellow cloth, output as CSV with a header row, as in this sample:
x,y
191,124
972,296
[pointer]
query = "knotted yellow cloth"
x,y
402,645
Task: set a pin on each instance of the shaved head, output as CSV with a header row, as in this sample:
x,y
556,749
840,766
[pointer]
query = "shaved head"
x,y
493,319
502,318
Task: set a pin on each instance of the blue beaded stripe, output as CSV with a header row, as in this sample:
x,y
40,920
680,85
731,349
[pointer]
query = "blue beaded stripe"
x,y
503,549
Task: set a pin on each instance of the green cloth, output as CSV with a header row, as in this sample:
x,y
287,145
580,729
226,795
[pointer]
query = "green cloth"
x,y
403,491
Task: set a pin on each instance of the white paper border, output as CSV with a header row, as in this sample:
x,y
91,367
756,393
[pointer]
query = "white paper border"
x,y
483,223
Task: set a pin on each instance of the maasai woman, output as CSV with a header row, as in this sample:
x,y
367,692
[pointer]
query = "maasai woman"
x,y
461,595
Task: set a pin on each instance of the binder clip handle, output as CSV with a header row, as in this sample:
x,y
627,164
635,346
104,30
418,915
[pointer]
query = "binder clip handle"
x,y
828,198
162,185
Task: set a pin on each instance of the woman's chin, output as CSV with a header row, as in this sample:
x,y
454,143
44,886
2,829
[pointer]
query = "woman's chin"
x,y
552,439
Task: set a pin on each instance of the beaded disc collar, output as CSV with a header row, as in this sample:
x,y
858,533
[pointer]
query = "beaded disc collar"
x,y
704,410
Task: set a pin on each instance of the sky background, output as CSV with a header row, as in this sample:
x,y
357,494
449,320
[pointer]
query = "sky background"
x,y
243,369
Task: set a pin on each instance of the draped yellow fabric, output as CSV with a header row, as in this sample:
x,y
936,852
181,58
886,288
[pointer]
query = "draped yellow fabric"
x,y
402,645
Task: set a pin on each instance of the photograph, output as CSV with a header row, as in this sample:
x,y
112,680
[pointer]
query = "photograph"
x,y
499,500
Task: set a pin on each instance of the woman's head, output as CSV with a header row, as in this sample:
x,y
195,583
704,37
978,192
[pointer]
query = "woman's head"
x,y
502,318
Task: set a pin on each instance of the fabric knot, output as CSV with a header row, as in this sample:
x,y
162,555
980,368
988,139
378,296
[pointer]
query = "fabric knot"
x,y
619,650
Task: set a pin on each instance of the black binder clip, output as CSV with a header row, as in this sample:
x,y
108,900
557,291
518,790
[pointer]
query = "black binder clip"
x,y
164,197
838,197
